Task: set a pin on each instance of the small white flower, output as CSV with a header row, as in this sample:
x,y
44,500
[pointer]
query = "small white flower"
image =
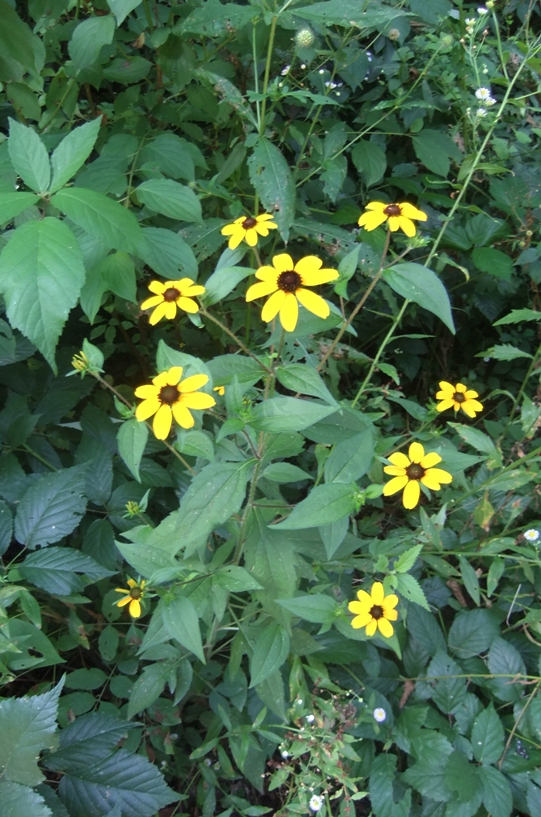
x,y
532,535
483,93
490,101
481,112
207,761
380,714
482,10
321,71
285,70
470,21
316,802
303,65
217,767
299,701
310,718
487,359
338,93
285,754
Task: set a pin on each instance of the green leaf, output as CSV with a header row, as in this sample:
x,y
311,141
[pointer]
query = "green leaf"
x,y
273,182
146,560
519,316
406,560
288,414
88,738
323,505
420,284
506,351
315,607
237,579
20,50
51,508
370,160
88,39
496,262
165,251
505,661
382,777
470,579
29,157
6,526
20,800
129,782
425,631
62,570
409,587
487,737
11,204
100,216
497,795
223,281
212,18
480,441
433,148
472,632
182,623
126,71
461,777
299,377
351,459
121,8
195,444
132,438
270,652
171,199
333,534
88,679
27,725
283,473
72,152
171,155
349,13
148,687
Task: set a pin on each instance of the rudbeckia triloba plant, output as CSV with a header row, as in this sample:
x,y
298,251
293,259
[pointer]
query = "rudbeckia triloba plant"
x,y
285,282
248,228
374,610
458,397
169,397
136,592
170,296
409,471
399,216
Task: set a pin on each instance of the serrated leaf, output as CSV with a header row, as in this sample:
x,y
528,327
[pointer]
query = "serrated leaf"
x,y
132,438
382,777
470,579
62,570
323,505
41,275
72,152
11,204
100,216
420,284
6,527
487,737
87,739
349,13
506,662
26,725
407,559
478,440
370,160
472,632
19,48
270,651
506,351
88,39
519,316
284,472
123,780
20,800
182,623
299,377
29,157
409,587
497,795
171,199
148,687
51,508
271,177
434,149
165,251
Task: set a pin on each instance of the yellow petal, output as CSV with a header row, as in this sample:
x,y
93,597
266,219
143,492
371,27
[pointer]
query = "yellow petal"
x,y
283,262
124,601
157,287
146,409
193,290
261,229
121,590
182,416
445,404
314,303
147,392
160,380
385,627
160,312
371,627
266,217
470,407
407,226
308,264
394,223
470,394
236,238
394,485
410,211
378,206
260,289
377,593
400,459
360,607
267,274
273,306
174,374
361,621
371,220
388,603
411,494
198,400
196,381
229,229
430,460
131,583
135,608
394,471
289,312
187,305
461,388
364,598
150,302
161,425
322,276
391,614
446,387
442,476
251,237
416,452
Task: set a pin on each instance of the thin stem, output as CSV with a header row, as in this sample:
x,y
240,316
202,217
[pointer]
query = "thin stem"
x,y
256,81
267,74
239,343
533,364
148,16
38,457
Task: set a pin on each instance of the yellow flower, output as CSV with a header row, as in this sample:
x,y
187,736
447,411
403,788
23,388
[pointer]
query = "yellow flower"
x,y
458,397
374,610
135,592
170,296
399,216
169,397
409,471
285,282
248,228
220,390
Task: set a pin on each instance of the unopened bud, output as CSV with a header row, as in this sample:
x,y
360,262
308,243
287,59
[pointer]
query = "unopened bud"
x,y
394,34
304,38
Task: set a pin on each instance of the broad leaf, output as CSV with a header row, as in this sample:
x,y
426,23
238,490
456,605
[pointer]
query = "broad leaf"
x,y
20,800
420,284
434,149
315,607
487,737
273,182
132,438
11,204
51,508
288,414
72,152
88,39
270,651
182,624
351,459
100,216
167,253
29,157
323,505
62,571
497,795
148,687
171,199
299,377
86,740
41,275
121,8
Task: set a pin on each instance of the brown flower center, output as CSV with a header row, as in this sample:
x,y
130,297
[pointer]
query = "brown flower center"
x,y
169,395
415,471
171,294
376,611
392,210
459,397
249,222
289,281
136,593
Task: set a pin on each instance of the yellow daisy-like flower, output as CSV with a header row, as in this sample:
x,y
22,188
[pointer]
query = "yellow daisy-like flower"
x,y
169,397
374,610
285,282
458,397
135,592
409,471
248,228
171,296
399,216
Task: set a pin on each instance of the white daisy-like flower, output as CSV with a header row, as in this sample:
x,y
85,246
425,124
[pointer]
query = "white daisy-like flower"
x,y
532,535
481,112
482,10
310,718
285,70
490,101
316,802
483,93
379,714
285,754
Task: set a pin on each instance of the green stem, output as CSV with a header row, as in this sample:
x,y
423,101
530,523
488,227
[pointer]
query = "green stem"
x,y
267,74
38,457
533,364
148,16
239,343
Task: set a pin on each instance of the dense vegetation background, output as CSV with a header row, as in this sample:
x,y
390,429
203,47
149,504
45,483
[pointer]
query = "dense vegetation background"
x,y
228,678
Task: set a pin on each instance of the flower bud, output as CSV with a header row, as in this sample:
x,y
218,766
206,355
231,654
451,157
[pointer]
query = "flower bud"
x,y
304,38
394,34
